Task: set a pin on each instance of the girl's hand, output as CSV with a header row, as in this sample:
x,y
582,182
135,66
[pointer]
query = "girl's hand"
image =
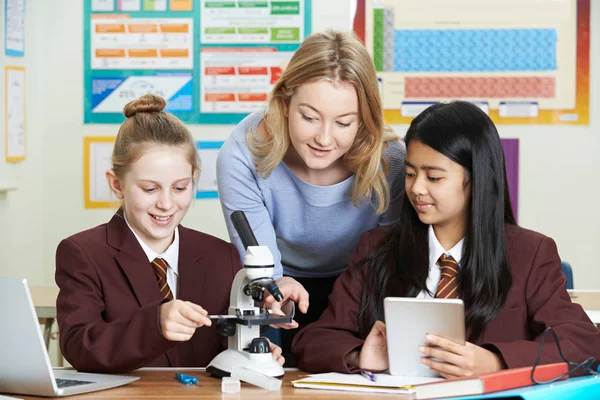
x,y
180,319
458,360
373,356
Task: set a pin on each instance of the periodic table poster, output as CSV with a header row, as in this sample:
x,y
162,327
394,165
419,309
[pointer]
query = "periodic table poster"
x,y
521,61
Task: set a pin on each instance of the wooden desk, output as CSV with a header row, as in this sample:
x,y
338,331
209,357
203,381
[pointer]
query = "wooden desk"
x,y
590,301
44,300
161,384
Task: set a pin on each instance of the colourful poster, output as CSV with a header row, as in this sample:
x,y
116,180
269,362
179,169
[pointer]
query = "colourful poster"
x,y
251,21
511,162
97,159
155,5
212,61
97,154
111,93
103,5
207,183
129,5
141,43
239,80
14,28
523,61
14,113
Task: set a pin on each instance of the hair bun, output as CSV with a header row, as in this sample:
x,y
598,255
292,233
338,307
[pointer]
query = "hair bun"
x,y
148,103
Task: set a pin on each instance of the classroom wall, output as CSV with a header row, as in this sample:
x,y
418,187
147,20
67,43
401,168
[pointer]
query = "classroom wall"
x,y
21,212
559,166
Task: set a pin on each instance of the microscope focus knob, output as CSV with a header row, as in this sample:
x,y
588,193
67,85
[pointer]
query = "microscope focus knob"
x,y
259,346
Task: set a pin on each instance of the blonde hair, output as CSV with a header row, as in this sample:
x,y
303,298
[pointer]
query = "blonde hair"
x,y
337,57
147,124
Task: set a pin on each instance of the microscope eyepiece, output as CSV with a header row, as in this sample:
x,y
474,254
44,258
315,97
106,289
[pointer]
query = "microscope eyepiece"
x,y
242,227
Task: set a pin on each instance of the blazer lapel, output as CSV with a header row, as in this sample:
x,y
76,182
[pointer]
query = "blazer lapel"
x,y
192,278
133,261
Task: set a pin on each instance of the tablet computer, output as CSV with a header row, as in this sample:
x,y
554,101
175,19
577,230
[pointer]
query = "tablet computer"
x,y
408,320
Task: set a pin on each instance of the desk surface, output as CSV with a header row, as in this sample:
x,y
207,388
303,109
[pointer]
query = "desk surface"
x,y
161,384
589,300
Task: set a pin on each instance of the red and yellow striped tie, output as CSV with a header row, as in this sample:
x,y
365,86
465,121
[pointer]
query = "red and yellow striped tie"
x,y
160,270
448,286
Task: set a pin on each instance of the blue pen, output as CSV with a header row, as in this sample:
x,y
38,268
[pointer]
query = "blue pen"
x,y
186,379
369,375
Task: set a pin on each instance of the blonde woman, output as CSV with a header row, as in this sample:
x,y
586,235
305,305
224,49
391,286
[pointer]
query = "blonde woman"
x,y
315,170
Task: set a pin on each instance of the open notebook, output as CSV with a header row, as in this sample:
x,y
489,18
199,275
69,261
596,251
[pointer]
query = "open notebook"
x,y
385,383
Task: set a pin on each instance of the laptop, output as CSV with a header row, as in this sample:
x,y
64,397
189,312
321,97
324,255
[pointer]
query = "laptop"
x,y
407,322
24,363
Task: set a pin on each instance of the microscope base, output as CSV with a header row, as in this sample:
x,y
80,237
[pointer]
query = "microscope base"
x,y
227,360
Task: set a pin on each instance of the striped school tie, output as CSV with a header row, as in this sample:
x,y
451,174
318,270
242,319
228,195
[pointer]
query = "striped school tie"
x,y
160,270
448,286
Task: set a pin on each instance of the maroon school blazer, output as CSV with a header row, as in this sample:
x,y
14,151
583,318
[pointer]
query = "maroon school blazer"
x,y
108,304
537,299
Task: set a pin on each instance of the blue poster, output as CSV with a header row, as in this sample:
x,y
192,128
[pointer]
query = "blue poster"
x,y
14,28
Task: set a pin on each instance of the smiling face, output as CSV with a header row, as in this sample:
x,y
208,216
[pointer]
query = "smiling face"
x,y
437,187
323,120
157,192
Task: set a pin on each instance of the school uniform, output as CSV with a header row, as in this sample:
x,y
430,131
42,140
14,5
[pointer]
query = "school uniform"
x,y
109,299
537,299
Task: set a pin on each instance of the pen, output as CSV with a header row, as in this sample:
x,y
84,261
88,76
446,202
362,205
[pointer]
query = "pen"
x,y
369,375
185,379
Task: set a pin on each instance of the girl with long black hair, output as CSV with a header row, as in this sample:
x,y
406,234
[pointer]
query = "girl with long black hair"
x,y
456,238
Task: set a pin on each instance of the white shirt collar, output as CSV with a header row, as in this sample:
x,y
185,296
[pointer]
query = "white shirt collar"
x,y
436,250
171,255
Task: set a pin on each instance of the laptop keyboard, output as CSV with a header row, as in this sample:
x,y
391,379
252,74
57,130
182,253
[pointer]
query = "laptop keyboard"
x,y
65,383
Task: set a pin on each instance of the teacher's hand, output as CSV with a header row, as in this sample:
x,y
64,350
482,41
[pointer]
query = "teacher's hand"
x,y
291,290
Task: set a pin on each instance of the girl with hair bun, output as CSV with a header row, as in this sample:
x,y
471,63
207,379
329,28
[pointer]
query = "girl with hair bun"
x,y
135,292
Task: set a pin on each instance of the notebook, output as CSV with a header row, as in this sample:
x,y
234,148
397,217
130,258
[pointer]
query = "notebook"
x,y
488,383
384,383
25,367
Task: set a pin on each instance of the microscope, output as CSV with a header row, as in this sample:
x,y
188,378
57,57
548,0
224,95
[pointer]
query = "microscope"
x,y
245,348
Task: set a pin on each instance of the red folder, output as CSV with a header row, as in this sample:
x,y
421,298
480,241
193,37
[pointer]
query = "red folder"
x,y
487,383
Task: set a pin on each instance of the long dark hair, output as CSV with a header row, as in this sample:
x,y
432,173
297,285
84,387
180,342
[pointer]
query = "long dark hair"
x,y
399,267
